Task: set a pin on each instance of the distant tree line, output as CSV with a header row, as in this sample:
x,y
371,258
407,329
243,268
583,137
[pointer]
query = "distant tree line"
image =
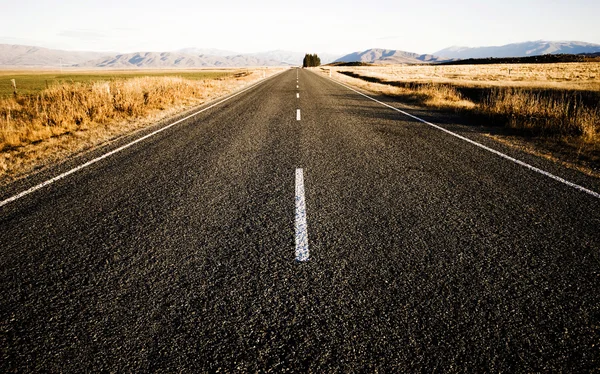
x,y
311,60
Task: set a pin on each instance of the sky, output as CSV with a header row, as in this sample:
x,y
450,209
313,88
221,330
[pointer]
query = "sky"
x,y
338,27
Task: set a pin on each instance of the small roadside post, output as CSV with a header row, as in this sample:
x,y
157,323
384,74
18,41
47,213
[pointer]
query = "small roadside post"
x,y
14,84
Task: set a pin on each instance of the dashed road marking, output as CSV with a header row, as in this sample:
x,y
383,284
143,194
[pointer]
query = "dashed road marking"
x,y
297,95
302,253
298,114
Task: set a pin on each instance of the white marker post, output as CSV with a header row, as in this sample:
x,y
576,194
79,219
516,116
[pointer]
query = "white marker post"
x,y
302,254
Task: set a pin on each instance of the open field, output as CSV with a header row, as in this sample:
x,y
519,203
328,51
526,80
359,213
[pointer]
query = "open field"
x,y
73,115
32,82
559,103
565,76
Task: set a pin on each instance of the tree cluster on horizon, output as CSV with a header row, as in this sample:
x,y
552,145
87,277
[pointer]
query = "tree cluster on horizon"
x,y
311,60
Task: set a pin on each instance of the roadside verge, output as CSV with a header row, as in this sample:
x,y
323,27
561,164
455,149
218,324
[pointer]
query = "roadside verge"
x,y
562,145
70,165
50,145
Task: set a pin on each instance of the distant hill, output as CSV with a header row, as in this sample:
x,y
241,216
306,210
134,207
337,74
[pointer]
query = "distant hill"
x,y
388,56
534,48
175,60
293,58
22,55
28,56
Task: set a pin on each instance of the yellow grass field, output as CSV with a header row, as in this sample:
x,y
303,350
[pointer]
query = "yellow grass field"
x,y
552,109
564,76
557,103
31,82
68,117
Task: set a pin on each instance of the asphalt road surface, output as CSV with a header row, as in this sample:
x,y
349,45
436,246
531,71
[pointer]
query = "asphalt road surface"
x,y
425,252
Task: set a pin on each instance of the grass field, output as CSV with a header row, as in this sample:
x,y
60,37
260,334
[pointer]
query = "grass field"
x,y
33,82
565,76
558,103
80,110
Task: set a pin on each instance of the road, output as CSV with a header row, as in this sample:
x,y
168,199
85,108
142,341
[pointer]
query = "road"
x,y
425,252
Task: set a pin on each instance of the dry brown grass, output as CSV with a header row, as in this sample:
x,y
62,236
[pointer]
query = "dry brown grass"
x,y
68,118
564,76
551,99
554,107
564,114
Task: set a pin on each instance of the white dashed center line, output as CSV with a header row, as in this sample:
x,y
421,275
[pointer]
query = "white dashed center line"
x,y
302,254
297,95
298,115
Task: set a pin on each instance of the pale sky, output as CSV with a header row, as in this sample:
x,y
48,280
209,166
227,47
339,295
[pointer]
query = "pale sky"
x,y
422,26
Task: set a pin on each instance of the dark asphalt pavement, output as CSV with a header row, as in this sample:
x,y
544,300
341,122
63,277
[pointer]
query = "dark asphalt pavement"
x,y
426,253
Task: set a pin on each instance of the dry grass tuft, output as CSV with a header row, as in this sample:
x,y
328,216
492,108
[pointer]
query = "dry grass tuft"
x,y
67,108
561,114
563,76
544,99
435,95
70,117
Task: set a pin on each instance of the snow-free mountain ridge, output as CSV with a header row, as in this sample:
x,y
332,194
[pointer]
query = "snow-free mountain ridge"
x,y
532,48
389,56
24,55
31,56
293,58
175,60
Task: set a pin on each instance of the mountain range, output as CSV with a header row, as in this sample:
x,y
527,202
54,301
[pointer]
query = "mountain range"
x,y
22,55
29,56
389,56
175,60
293,58
534,48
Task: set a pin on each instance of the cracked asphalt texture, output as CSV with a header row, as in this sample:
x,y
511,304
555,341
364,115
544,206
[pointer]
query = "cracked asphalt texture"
x,y
427,253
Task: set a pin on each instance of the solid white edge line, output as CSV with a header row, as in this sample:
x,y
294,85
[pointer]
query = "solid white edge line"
x,y
302,253
516,161
76,169
297,114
